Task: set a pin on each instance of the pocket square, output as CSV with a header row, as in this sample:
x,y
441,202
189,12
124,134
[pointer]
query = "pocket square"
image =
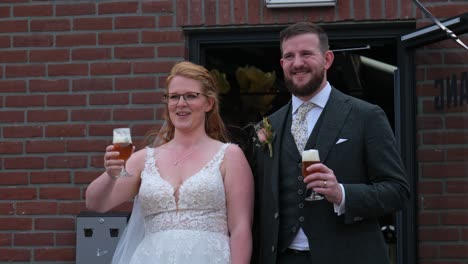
x,y
341,140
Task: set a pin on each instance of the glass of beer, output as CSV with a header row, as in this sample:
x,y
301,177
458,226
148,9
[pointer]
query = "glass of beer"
x,y
309,157
122,142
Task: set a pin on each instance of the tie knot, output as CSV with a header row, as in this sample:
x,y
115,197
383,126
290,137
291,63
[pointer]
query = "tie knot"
x,y
304,109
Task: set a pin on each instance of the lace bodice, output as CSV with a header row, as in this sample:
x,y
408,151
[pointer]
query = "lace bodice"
x,y
201,203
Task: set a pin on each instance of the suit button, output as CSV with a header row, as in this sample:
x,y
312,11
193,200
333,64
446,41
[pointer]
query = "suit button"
x,y
294,230
301,205
301,219
300,191
357,218
300,178
276,215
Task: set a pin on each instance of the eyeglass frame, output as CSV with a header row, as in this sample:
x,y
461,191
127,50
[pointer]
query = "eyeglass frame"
x,y
167,97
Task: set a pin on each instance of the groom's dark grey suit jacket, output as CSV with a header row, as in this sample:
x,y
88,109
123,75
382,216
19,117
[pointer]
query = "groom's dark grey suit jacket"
x,y
355,140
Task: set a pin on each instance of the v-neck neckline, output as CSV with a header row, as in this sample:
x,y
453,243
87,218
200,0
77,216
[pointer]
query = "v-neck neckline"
x,y
176,189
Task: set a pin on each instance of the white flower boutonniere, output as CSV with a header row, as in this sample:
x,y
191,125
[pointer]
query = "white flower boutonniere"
x,y
265,135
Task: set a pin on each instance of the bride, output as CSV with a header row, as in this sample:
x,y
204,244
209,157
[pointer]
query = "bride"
x,y
194,192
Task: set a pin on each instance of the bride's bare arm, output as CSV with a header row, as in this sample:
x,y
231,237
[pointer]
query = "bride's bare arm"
x,y
238,182
106,191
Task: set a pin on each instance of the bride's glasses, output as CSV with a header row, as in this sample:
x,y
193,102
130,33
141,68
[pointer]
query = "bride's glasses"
x,y
174,98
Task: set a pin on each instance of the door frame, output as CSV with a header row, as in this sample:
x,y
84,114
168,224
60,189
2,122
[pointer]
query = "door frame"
x,y
405,127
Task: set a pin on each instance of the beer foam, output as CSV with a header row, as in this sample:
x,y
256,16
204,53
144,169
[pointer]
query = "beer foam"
x,y
122,135
310,155
121,139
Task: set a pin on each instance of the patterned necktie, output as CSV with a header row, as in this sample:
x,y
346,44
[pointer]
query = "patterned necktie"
x,y
299,125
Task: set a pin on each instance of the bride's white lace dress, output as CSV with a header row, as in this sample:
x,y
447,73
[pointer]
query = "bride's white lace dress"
x,y
190,229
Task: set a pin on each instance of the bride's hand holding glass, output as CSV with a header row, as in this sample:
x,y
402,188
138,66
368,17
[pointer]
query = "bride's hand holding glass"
x,y
120,150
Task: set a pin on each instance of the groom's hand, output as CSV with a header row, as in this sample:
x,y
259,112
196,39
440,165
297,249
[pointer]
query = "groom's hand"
x,y
322,180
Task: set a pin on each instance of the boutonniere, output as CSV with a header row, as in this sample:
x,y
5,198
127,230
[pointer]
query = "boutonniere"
x,y
265,135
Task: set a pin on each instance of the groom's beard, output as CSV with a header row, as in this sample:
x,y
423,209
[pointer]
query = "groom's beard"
x,y
309,88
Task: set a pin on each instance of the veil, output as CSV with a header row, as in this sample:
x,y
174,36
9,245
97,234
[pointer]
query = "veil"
x,y
131,236
133,233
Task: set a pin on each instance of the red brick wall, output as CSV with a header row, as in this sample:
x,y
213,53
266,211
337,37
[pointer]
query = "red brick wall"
x,y
442,152
70,71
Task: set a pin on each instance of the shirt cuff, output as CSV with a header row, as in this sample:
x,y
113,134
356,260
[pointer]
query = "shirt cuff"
x,y
340,208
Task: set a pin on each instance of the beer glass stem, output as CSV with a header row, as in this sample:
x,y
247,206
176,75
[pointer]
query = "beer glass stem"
x,y
314,196
124,173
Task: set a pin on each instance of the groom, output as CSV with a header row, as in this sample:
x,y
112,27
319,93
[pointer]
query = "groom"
x,y
361,174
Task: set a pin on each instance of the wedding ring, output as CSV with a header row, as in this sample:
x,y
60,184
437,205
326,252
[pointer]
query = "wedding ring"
x,y
324,184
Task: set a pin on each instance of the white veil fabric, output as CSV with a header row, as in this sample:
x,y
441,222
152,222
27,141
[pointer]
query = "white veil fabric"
x,y
131,237
134,231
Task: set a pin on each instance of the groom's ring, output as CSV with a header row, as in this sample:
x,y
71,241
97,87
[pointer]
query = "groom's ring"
x,y
324,184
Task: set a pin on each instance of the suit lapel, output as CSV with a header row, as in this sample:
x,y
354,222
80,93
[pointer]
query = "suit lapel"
x,y
330,122
329,125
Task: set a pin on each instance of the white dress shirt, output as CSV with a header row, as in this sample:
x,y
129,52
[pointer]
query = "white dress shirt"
x,y
300,242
